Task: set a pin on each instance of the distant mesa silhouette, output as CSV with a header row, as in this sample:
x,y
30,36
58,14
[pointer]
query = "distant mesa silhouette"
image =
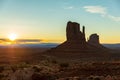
x,y
94,39
76,41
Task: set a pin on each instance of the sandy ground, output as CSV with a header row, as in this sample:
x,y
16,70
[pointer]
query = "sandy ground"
x,y
60,66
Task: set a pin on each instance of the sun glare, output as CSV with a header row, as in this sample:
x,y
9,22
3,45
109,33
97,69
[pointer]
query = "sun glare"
x,y
12,37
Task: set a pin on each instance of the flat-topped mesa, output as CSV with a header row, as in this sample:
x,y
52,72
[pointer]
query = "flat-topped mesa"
x,y
73,32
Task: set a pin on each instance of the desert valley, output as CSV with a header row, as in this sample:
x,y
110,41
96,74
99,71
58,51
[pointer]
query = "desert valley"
x,y
74,59
59,40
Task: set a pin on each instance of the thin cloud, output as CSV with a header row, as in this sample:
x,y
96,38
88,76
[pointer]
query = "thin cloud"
x,y
22,40
102,11
69,7
95,9
117,19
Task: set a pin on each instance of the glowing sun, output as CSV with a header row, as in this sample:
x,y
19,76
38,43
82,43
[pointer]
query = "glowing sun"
x,y
12,37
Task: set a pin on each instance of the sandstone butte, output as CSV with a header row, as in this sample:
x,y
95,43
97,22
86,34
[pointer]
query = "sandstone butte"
x,y
76,41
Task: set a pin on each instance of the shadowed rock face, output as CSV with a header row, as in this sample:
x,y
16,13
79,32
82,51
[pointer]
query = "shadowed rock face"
x,y
74,34
94,39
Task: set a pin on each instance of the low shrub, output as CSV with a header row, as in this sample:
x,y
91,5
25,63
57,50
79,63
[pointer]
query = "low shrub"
x,y
1,69
36,69
38,76
64,65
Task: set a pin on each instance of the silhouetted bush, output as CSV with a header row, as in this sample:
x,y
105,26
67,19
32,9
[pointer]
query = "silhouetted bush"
x,y
90,78
54,61
64,64
67,79
1,76
37,76
13,68
23,65
97,78
36,69
1,68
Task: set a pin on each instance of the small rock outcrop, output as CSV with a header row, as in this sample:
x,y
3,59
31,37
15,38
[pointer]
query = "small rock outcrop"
x,y
94,39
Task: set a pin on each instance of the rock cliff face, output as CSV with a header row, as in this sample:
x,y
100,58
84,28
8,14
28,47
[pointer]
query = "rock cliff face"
x,y
76,41
94,41
73,32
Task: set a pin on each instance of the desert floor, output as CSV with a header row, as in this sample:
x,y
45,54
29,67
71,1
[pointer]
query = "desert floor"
x,y
36,64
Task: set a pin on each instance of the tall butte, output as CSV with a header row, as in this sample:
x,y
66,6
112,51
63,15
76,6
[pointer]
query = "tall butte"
x,y
76,41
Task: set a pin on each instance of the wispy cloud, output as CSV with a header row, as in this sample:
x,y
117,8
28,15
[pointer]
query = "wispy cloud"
x,y
22,40
95,9
114,18
102,11
69,7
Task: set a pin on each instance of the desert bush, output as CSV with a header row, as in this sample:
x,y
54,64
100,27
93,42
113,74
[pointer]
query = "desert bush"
x,y
21,74
38,76
1,76
90,78
1,68
67,79
13,68
54,61
36,69
64,65
23,65
97,78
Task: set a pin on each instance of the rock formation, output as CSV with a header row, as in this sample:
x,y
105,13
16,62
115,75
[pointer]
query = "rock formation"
x,y
94,39
76,41
73,32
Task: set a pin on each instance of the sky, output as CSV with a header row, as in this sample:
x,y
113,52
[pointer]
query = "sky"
x,y
46,19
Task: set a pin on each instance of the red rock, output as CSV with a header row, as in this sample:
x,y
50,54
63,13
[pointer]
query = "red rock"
x,y
76,41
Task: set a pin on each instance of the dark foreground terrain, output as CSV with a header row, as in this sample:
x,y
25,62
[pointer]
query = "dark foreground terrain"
x,y
34,64
15,55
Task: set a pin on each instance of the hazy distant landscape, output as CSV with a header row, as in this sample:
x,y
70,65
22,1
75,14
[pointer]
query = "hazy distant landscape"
x,y
51,45
40,45
112,46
